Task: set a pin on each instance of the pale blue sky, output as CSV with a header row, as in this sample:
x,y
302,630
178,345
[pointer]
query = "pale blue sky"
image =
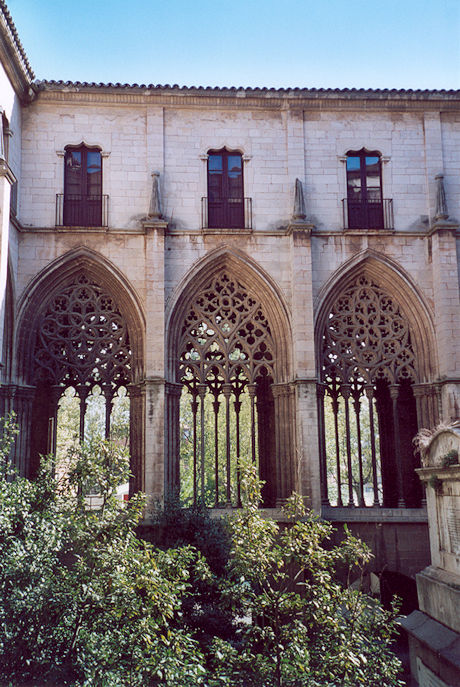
x,y
309,43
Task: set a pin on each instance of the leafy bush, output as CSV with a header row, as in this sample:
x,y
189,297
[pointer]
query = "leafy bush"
x,y
299,626
85,602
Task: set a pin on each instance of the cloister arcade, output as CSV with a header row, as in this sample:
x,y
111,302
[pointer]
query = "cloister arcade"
x,y
229,384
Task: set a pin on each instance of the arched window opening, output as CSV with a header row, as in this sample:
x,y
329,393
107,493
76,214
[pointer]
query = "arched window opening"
x,y
83,187
226,368
368,408
365,205
225,189
82,361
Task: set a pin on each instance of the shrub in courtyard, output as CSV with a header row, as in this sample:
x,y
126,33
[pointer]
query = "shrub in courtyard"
x,y
83,600
242,602
298,626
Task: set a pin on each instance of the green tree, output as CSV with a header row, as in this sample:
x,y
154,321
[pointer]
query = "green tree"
x,y
298,626
83,600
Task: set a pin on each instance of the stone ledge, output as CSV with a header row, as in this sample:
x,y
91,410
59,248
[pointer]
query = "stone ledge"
x,y
371,514
434,644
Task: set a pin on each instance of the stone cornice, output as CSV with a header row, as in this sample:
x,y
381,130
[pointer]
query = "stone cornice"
x,y
13,57
300,99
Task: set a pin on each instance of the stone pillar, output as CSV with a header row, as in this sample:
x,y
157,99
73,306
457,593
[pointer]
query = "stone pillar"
x,y
447,315
285,442
7,178
136,394
442,238
304,364
154,383
434,630
154,470
172,439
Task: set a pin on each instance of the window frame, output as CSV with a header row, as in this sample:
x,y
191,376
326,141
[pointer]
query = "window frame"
x,y
83,209
364,212
227,209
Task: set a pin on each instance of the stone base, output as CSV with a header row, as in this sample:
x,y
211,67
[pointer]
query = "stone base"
x,y
434,651
439,596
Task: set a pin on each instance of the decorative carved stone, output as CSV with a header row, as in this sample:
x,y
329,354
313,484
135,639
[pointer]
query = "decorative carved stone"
x,y
367,337
441,212
299,202
82,339
225,337
155,199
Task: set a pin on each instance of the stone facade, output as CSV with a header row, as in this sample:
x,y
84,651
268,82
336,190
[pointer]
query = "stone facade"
x,y
434,630
151,265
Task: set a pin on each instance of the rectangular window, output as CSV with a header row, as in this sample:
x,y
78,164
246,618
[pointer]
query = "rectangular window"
x,y
225,190
364,190
83,187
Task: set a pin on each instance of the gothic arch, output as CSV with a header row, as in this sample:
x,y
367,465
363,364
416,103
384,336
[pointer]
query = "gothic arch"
x,y
80,325
56,275
376,365
255,279
396,282
227,292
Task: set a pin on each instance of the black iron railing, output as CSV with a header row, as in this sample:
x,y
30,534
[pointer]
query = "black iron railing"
x,y
73,210
368,214
229,213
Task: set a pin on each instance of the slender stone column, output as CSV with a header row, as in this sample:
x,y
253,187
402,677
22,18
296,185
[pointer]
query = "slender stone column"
x,y
394,394
428,401
7,178
172,439
286,463
320,393
136,394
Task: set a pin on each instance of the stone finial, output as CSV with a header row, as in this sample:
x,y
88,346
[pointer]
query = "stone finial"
x,y
155,200
2,140
299,202
441,211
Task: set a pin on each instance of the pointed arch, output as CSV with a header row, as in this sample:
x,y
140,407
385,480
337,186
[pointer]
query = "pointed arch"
x,y
255,279
56,276
80,327
229,342
398,284
376,365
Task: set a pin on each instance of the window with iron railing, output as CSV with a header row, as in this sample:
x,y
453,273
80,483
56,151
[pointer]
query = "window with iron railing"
x,y
364,207
225,201
83,203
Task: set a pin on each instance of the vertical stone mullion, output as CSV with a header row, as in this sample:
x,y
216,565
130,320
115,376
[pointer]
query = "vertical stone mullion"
x,y
136,394
172,440
285,444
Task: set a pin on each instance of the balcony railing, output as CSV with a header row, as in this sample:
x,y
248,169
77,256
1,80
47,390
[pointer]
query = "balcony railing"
x,y
73,210
230,213
368,214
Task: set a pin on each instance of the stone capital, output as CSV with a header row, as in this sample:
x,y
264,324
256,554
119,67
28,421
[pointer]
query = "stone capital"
x,y
151,225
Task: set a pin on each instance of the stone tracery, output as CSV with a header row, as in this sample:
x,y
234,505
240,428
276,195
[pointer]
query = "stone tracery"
x,y
368,366
82,343
226,352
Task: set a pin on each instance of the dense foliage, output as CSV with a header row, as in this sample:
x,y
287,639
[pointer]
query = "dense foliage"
x,y
243,602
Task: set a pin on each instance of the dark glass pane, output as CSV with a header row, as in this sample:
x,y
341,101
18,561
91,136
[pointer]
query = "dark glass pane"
x,y
353,163
94,173
73,179
215,164
234,165
373,174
